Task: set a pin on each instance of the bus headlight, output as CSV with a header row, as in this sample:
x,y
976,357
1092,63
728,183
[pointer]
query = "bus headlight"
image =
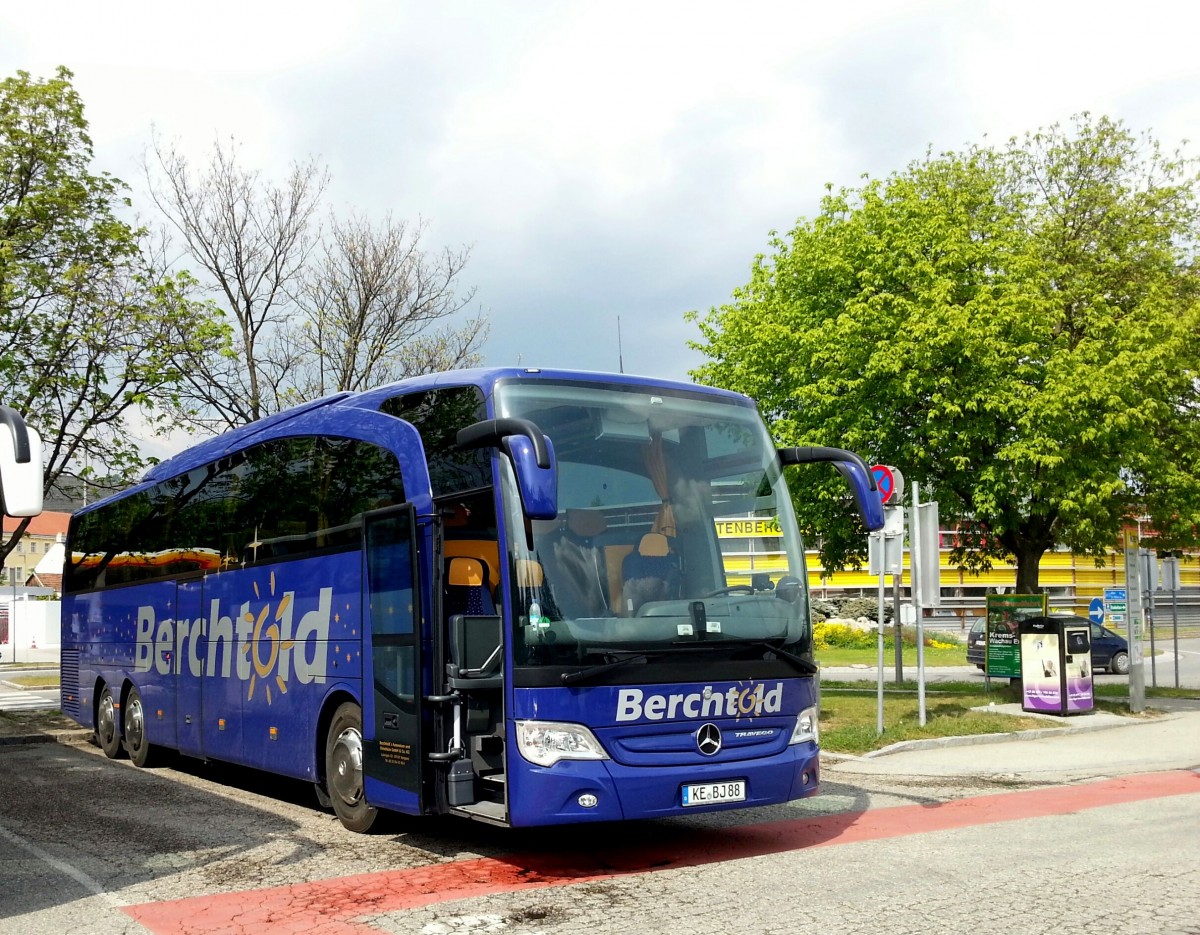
x,y
547,742
806,727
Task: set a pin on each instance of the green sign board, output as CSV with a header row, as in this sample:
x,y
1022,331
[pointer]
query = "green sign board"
x,y
1002,651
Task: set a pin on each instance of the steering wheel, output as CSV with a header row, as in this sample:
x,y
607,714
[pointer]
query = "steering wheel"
x,y
733,589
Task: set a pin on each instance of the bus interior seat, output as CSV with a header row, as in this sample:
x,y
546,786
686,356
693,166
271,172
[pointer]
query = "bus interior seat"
x,y
585,524
476,647
484,550
578,578
614,560
529,576
650,572
468,590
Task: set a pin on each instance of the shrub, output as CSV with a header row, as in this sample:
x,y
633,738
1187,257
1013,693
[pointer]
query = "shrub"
x,y
855,607
826,635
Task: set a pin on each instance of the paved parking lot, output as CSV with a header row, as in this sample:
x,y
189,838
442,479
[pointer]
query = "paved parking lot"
x,y
93,845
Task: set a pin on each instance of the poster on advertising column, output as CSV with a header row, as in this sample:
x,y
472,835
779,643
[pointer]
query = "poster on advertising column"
x,y
1002,651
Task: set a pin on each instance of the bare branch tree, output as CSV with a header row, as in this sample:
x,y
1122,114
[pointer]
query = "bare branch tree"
x,y
253,239
372,303
312,313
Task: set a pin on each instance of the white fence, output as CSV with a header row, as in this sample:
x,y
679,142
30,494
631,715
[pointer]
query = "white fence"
x,y
31,625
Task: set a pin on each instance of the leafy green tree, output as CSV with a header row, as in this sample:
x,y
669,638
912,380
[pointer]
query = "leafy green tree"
x,y
91,324
1016,328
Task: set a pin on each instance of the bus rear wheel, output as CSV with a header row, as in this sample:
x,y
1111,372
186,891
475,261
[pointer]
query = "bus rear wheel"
x,y
107,734
141,752
344,769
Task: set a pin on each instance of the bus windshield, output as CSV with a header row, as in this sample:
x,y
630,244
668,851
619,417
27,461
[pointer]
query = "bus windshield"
x,y
675,528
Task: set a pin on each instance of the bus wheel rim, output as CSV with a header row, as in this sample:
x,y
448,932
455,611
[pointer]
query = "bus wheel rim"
x,y
135,729
346,777
108,720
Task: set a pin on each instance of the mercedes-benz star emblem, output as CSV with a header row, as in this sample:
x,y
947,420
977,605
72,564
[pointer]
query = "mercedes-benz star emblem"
x,y
708,739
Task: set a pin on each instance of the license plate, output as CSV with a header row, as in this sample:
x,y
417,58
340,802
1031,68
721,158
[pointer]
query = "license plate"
x,y
712,793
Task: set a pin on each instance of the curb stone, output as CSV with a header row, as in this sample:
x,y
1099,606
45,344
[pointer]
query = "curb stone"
x,y
66,736
1066,726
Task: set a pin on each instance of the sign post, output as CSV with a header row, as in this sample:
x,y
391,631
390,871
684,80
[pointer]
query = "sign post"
x,y
1170,578
879,537
890,482
1137,667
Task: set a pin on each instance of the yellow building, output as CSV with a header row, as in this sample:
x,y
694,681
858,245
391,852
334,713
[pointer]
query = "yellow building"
x,y
1071,581
44,531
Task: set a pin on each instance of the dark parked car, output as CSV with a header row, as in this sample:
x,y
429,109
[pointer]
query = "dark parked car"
x,y
1109,650
975,641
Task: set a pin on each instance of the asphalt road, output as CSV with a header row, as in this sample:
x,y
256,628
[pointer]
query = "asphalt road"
x,y
91,845
25,699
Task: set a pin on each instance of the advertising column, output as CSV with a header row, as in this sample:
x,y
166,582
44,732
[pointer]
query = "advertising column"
x,y
1041,675
1056,666
1077,667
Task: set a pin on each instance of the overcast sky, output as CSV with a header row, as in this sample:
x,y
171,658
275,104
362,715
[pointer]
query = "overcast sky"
x,y
602,160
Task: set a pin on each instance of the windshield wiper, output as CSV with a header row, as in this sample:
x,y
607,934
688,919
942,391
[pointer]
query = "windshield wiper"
x,y
808,668
582,675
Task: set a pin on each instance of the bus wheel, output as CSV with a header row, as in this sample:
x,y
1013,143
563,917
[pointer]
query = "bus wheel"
x,y
140,750
106,725
344,769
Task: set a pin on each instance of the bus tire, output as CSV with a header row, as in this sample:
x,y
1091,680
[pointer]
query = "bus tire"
x,y
107,733
137,743
344,769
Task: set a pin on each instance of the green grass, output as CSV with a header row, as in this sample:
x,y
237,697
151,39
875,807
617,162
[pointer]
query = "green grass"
x,y
1122,691
34,681
849,719
842,656
849,714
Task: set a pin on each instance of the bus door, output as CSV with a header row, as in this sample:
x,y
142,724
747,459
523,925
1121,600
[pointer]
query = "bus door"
x,y
188,666
393,743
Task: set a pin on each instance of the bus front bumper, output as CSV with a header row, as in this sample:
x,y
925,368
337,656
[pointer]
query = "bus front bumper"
x,y
573,791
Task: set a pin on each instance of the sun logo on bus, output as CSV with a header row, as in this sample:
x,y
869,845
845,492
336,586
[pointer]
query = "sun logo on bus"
x,y
263,670
753,699
746,700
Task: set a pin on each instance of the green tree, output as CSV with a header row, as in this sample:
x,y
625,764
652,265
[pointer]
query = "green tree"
x,y
1016,328
91,324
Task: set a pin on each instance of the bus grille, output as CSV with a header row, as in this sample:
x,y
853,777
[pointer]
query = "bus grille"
x,y
69,682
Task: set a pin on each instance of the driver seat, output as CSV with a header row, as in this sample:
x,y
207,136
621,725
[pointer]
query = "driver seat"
x,y
649,573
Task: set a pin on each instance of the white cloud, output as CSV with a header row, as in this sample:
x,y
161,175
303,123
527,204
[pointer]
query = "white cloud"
x,y
618,159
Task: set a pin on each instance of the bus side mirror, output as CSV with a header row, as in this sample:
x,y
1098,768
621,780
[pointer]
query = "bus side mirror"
x,y
20,466
532,458
850,466
538,485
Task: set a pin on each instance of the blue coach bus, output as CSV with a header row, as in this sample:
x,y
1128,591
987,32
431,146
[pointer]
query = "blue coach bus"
x,y
496,593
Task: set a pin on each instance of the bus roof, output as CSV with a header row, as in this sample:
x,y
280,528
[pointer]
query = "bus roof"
x,y
485,378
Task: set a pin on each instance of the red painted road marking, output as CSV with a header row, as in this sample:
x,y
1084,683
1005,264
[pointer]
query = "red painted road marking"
x,y
332,907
